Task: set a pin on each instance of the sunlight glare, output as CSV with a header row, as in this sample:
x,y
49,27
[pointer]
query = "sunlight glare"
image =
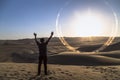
x,y
88,24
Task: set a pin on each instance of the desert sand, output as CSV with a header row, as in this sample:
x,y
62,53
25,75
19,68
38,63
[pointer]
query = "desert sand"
x,y
18,61
66,66
28,71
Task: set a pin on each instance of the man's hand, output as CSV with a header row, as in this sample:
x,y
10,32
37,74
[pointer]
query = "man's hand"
x,y
52,33
34,34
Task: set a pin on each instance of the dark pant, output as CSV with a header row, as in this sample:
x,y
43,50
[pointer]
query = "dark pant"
x,y
44,60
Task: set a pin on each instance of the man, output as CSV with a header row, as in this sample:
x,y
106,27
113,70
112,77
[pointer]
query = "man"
x,y
42,45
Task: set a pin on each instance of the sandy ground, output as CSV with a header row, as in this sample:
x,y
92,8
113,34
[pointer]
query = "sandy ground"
x,y
28,71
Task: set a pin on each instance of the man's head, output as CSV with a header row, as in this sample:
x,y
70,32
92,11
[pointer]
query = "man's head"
x,y
42,40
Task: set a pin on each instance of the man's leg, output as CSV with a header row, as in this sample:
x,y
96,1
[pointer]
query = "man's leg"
x,y
39,65
45,65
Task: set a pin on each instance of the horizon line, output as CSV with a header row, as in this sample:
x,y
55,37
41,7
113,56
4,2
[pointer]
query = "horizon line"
x,y
60,37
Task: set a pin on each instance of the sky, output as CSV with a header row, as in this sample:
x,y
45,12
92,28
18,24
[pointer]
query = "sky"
x,y
21,18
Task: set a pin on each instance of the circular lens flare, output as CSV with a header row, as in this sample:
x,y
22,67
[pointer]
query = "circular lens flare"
x,y
107,43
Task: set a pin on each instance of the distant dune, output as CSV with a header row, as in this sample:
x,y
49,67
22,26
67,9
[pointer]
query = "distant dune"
x,y
26,51
69,58
90,48
113,54
83,59
112,47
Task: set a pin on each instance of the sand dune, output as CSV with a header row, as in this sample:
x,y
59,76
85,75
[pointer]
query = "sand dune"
x,y
64,66
90,48
114,54
23,58
72,58
83,59
113,47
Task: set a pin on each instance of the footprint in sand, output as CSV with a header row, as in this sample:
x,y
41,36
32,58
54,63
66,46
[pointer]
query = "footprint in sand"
x,y
59,69
22,70
67,73
51,78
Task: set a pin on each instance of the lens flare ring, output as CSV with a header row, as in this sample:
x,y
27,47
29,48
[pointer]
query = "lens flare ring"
x,y
106,44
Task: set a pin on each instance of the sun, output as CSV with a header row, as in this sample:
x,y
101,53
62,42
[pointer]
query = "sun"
x,y
87,24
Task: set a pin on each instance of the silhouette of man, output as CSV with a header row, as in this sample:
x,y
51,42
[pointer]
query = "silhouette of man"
x,y
42,45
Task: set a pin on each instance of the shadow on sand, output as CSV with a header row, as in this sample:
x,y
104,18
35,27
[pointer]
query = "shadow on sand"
x,y
83,59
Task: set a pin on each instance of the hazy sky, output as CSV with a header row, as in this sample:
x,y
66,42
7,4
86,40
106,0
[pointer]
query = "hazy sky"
x,y
20,18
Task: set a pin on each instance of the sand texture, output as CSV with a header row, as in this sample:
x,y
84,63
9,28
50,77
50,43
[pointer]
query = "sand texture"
x,y
26,71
